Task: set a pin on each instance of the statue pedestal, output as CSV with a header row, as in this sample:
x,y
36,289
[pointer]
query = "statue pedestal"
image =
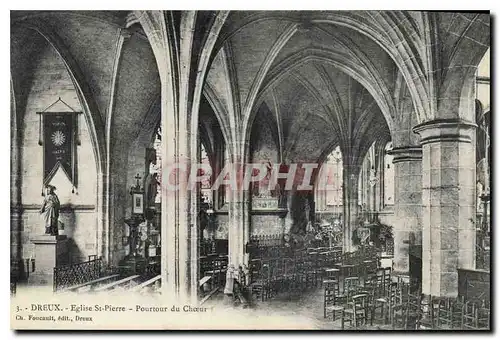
x,y
50,252
132,265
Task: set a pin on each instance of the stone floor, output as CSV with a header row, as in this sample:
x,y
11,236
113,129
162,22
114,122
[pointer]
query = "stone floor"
x,y
286,311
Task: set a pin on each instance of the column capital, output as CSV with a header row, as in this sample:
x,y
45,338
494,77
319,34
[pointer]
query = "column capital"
x,y
452,130
125,33
406,154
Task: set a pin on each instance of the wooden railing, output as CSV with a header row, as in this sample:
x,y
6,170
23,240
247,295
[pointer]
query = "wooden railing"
x,y
77,273
267,240
90,285
151,285
125,283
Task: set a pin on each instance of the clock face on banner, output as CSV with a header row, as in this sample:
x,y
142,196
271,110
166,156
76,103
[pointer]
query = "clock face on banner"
x,y
58,138
59,146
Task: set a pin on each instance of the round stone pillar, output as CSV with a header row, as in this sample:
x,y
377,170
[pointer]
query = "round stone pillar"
x,y
408,204
350,206
239,207
448,201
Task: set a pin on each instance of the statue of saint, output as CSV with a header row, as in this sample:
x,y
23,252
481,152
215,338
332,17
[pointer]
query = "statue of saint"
x,y
50,211
479,193
151,188
364,235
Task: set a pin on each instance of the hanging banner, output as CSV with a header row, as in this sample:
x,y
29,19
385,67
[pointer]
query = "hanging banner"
x,y
59,145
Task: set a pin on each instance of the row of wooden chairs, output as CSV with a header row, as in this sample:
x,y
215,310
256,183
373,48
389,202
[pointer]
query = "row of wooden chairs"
x,y
308,268
410,309
356,307
215,267
358,299
269,277
447,313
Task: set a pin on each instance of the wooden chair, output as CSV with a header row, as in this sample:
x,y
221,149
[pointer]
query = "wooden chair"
x,y
475,316
428,314
288,273
370,281
277,276
379,278
300,275
333,302
216,268
444,313
413,311
260,282
347,270
330,259
370,266
350,285
370,303
331,274
382,299
399,304
311,270
456,312
387,276
356,311
484,315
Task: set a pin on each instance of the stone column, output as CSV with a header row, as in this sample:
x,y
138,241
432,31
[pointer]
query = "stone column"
x,y
15,191
288,220
178,213
239,210
182,72
448,199
235,232
379,188
408,204
350,193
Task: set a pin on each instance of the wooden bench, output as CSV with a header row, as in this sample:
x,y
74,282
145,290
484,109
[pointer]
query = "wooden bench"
x,y
89,284
204,280
209,295
116,284
143,285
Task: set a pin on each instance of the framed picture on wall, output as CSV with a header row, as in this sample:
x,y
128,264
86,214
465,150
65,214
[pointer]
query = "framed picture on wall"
x,y
137,203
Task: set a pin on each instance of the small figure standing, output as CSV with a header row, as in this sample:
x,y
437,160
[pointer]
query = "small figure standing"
x,y
50,211
151,187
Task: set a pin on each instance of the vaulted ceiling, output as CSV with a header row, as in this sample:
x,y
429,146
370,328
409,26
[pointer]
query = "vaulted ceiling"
x,y
113,69
300,64
324,85
327,78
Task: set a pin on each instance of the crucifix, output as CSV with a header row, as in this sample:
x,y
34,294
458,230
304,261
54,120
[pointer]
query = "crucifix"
x,y
138,183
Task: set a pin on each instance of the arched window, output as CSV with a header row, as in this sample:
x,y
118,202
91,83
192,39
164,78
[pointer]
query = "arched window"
x,y
334,197
483,82
329,193
156,168
206,185
388,177
483,134
483,163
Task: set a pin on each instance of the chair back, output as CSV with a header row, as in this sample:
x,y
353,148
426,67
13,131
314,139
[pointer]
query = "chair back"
x,y
475,315
332,274
351,285
288,266
329,295
413,313
360,302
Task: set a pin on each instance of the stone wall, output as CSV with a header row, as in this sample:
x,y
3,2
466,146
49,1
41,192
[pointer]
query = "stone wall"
x,y
265,149
50,82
